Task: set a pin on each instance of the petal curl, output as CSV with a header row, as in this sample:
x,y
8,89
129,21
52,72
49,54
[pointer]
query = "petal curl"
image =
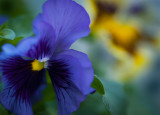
x,y
71,80
7,51
69,19
20,85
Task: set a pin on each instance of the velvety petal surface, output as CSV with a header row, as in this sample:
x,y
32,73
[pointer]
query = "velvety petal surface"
x,y
71,74
42,45
80,67
69,20
21,84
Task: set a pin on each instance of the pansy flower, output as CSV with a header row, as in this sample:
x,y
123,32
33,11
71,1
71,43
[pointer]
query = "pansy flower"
x,y
60,24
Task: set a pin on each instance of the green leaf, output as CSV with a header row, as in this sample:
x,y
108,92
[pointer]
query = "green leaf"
x,y
98,85
7,34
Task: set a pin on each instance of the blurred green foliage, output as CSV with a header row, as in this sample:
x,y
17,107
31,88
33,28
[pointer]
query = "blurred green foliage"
x,y
12,8
21,25
115,98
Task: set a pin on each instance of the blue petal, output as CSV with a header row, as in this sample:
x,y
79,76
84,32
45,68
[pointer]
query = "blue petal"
x,y
71,74
42,45
8,50
17,106
20,85
3,19
69,19
80,67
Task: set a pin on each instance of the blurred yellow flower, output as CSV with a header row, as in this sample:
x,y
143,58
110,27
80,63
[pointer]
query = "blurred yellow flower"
x,y
121,38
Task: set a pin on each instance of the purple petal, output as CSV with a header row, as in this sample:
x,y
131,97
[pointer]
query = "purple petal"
x,y
80,67
71,80
17,106
20,85
8,50
69,19
42,45
67,94
3,19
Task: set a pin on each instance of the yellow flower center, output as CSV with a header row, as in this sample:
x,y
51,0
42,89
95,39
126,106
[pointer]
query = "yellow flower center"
x,y
37,65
